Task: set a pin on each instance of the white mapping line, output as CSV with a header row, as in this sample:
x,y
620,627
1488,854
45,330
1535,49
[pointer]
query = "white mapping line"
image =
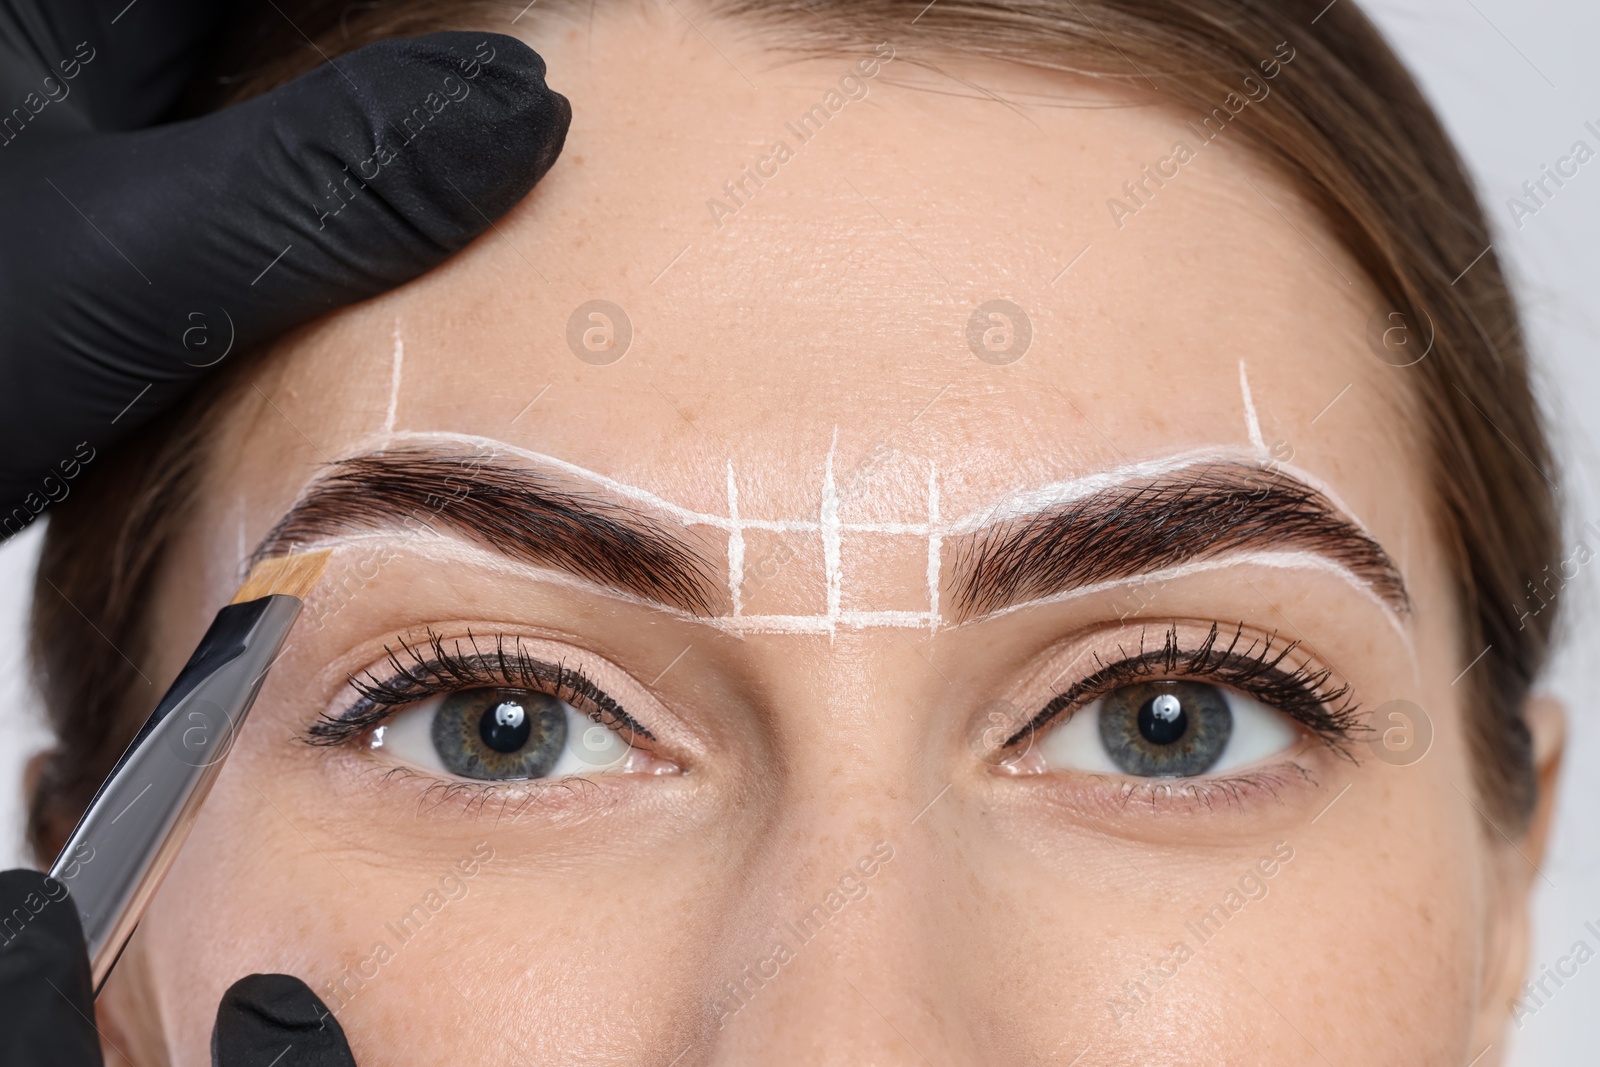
x,y
828,525
935,543
1019,504
1289,559
1252,424
394,377
1025,502
820,624
623,490
735,546
1014,505
444,546
831,539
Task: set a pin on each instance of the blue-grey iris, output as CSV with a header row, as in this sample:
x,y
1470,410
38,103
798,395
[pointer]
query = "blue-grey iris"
x,y
500,734
1168,729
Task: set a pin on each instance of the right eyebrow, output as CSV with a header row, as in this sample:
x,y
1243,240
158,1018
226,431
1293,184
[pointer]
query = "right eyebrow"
x,y
513,510
1123,531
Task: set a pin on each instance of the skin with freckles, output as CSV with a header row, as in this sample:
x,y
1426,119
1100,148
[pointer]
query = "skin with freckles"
x,y
821,849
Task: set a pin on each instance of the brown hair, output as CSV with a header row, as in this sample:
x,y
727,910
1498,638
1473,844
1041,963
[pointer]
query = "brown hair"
x,y
1347,126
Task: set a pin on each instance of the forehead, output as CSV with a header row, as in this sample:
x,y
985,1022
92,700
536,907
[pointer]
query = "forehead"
x,y
751,262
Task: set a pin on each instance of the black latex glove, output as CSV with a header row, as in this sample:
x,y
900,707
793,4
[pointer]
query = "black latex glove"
x,y
131,260
266,1016
46,1001
47,1004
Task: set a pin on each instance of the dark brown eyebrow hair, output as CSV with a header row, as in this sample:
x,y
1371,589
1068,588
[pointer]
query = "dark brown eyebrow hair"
x,y
513,510
1128,530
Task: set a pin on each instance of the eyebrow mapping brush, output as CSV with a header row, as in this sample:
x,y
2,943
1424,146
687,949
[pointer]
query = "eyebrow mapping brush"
x,y
133,829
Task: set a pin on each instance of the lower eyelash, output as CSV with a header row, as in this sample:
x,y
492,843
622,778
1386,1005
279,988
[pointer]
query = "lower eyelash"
x,y
1233,790
1302,693
447,669
474,798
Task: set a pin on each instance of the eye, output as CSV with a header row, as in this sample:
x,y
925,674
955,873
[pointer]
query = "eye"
x,y
1167,729
491,710
505,734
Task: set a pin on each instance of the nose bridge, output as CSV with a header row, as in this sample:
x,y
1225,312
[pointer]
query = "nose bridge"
x,y
845,950
848,897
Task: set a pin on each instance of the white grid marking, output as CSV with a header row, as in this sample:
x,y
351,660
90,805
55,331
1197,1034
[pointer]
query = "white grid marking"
x,y
935,544
832,540
395,369
832,530
1252,424
735,546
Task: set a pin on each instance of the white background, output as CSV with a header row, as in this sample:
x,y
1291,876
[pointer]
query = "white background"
x,y
1515,81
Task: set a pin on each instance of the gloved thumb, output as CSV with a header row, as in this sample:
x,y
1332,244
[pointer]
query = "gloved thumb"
x,y
276,1019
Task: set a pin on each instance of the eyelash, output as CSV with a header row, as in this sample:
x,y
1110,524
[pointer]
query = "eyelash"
x,y
443,668
1303,693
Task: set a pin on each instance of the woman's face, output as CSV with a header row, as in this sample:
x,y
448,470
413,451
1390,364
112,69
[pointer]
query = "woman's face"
x,y
898,684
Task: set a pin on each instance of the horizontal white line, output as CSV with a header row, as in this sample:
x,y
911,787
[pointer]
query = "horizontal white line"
x,y
1012,506
821,624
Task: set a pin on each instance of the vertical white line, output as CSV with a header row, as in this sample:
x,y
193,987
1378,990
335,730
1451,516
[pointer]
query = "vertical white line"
x,y
935,543
735,546
1251,423
394,377
829,520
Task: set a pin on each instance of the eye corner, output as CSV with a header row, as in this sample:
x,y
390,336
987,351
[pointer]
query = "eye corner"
x,y
330,730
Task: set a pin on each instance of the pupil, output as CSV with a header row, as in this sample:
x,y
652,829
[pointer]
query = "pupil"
x,y
1162,720
505,727
1165,729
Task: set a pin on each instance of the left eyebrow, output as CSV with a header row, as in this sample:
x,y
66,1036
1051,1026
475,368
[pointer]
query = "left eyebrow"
x,y
1124,531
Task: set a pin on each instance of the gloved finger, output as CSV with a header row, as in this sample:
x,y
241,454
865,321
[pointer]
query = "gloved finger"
x,y
119,65
46,1000
130,263
275,1018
